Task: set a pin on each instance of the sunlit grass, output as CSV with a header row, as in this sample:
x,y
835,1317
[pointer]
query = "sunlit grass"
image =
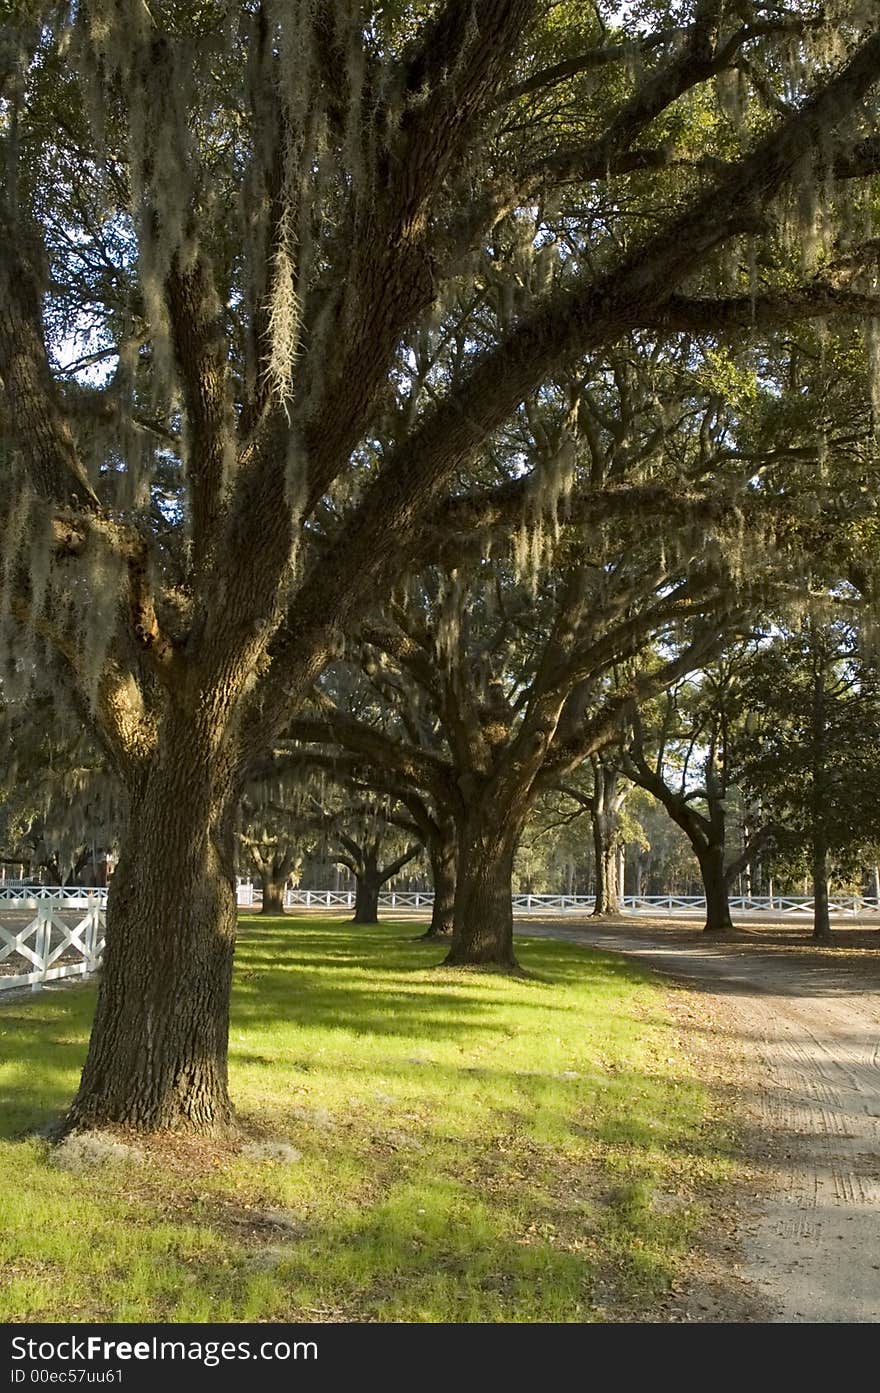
x,y
473,1147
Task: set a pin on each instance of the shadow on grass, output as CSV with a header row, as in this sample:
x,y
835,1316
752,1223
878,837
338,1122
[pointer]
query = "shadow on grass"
x,y
378,982
43,1041
385,982
469,1147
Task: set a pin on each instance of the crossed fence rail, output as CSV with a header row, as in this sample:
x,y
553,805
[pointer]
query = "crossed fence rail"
x,y
74,895
46,944
644,904
50,947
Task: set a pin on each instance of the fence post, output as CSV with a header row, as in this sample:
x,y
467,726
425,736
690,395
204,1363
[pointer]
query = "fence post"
x,y
44,938
93,933
90,935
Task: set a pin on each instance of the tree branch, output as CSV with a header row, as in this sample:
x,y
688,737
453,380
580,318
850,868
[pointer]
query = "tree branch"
x,y
33,411
385,529
202,354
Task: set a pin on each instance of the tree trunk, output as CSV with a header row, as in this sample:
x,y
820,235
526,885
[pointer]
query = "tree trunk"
x,y
819,792
639,874
599,862
607,867
273,866
715,889
604,820
366,900
821,917
158,1049
443,876
747,871
273,892
483,927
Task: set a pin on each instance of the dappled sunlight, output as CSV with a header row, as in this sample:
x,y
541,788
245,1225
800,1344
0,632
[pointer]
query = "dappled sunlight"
x,y
436,1147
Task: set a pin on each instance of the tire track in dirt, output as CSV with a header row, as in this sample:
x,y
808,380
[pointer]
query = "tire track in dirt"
x,y
812,1031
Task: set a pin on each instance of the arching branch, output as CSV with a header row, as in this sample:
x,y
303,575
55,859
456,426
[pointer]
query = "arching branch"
x,y
32,408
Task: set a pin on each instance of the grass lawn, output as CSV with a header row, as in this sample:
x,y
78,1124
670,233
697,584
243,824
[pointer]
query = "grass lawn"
x,y
421,1145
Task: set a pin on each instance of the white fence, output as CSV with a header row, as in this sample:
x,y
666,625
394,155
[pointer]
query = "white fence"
x,y
73,895
52,940
753,904
47,945
559,904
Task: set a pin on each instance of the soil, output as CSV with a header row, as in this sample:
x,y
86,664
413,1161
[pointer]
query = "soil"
x,y
791,1034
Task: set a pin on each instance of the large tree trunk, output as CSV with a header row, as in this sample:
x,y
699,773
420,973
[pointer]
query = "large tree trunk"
x,y
821,917
366,900
715,889
598,861
273,892
607,866
483,927
158,1049
443,860
604,818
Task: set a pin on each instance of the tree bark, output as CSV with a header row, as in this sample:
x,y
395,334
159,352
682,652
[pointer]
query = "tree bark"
x,y
607,867
711,859
366,900
370,876
273,893
483,926
273,866
819,791
821,917
603,817
443,860
157,1057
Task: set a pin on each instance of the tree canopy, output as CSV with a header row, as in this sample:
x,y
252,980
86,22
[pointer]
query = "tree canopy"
x,y
276,277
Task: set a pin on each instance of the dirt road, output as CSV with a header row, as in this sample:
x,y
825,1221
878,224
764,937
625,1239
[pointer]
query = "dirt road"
x,y
808,1028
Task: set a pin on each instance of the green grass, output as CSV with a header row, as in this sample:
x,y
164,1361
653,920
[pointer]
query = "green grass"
x,y
474,1147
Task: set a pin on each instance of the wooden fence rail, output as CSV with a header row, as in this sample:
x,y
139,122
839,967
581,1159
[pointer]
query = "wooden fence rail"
x,y
555,904
46,944
43,934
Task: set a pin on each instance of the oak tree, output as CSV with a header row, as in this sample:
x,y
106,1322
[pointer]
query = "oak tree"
x,y
220,224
